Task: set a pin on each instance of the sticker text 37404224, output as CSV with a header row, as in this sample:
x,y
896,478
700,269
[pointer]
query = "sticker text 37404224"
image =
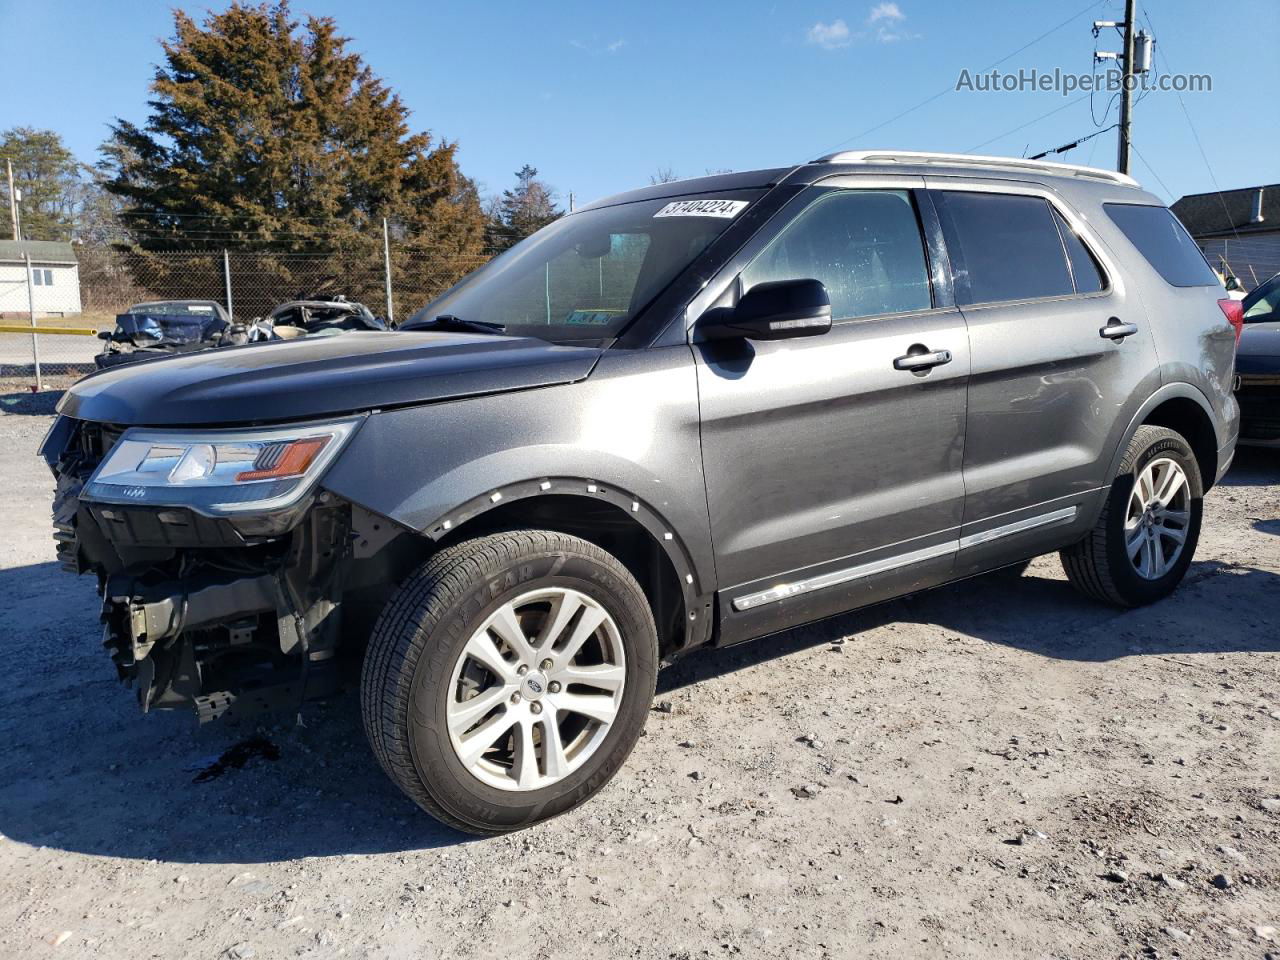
x,y
725,209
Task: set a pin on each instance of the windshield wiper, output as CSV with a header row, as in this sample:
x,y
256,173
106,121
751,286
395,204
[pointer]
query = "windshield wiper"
x,y
447,321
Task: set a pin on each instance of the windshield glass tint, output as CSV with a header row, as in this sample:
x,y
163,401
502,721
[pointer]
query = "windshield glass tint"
x,y
587,275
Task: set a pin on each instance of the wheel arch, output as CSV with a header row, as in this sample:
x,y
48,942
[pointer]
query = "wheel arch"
x,y
613,519
1184,408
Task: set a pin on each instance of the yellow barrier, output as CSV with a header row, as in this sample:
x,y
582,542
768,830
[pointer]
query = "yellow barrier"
x,y
62,331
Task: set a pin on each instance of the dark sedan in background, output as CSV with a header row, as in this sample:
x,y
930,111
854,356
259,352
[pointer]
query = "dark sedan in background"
x,y
1258,366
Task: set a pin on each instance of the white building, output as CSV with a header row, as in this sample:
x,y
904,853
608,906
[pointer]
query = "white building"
x,y
55,278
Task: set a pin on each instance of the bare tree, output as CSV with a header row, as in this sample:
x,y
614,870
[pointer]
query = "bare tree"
x,y
663,175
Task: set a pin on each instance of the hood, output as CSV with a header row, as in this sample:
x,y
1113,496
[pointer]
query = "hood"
x,y
1259,347
322,376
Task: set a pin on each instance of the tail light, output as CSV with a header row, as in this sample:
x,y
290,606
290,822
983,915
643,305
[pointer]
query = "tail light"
x,y
1234,312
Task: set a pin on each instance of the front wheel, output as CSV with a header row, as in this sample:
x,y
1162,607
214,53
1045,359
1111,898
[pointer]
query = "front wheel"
x,y
1140,548
509,678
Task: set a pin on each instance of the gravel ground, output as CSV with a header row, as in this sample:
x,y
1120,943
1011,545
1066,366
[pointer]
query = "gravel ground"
x,y
994,769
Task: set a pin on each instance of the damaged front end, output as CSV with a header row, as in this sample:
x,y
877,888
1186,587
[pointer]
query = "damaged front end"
x,y
223,569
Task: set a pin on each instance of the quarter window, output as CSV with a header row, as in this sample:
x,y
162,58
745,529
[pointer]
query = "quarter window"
x,y
1003,247
865,247
1165,244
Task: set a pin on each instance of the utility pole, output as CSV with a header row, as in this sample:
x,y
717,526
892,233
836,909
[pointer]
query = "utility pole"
x,y
13,202
1126,91
1135,59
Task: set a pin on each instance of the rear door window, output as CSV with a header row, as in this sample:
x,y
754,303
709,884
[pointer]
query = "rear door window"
x,y
1085,272
1003,247
1164,242
865,247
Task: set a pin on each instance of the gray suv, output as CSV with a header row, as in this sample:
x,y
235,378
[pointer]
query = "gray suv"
x,y
689,415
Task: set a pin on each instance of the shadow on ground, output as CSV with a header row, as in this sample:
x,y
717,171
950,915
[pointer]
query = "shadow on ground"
x,y
82,771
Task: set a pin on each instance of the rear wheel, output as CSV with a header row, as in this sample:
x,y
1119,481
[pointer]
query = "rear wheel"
x,y
1144,541
509,678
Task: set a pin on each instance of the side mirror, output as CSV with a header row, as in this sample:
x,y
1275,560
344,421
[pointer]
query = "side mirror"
x,y
777,310
1233,284
104,334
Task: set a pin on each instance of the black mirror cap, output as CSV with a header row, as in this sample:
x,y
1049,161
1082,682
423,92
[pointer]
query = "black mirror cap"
x,y
777,310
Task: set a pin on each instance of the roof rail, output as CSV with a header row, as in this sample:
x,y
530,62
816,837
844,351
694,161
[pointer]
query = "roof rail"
x,y
976,160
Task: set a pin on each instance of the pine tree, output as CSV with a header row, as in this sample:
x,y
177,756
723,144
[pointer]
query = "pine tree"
x,y
49,177
267,136
527,208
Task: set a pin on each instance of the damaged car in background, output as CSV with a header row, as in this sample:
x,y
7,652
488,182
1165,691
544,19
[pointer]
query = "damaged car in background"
x,y
171,327
163,328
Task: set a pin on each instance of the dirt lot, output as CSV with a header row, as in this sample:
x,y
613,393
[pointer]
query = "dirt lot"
x,y
994,769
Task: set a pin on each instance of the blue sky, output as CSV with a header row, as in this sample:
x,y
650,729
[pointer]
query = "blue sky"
x,y
599,96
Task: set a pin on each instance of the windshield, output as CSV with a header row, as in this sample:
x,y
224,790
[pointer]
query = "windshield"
x,y
587,275
1264,303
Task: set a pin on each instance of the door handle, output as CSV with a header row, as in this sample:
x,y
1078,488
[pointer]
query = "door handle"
x,y
919,358
1116,331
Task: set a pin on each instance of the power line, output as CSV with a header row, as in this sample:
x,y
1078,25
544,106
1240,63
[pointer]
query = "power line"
x,y
1196,136
1147,163
944,92
1075,143
1069,103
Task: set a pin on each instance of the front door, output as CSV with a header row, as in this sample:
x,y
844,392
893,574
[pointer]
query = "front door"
x,y
833,463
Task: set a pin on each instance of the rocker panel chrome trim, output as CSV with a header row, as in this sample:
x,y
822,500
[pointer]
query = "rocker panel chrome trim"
x,y
1018,526
837,577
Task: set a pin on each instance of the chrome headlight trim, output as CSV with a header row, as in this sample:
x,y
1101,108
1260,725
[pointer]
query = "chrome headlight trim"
x,y
204,469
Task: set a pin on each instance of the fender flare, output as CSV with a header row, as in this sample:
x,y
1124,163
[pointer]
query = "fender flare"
x,y
696,592
1168,391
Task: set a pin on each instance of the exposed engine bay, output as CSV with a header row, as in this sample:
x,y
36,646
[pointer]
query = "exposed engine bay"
x,y
221,614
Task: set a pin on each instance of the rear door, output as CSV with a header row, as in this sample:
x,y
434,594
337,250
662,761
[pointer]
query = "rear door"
x,y
1061,349
833,462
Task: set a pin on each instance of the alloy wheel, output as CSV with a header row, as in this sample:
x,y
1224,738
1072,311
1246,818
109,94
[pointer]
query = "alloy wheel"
x,y
1158,515
536,689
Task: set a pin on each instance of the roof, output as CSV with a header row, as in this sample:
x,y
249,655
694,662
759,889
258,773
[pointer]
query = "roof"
x,y
1229,212
881,162
709,184
980,161
45,251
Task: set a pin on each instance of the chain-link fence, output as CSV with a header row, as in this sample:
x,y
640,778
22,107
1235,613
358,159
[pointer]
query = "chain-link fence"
x,y
56,297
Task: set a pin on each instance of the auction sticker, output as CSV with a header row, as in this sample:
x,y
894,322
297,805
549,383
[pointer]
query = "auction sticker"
x,y
726,209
